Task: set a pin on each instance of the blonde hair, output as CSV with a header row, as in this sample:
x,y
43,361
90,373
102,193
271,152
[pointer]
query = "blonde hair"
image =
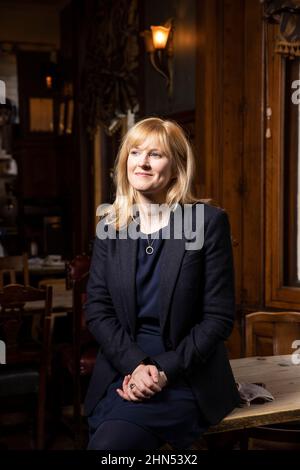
x,y
175,145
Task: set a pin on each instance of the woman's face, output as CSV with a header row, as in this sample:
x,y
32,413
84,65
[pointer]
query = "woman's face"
x,y
149,170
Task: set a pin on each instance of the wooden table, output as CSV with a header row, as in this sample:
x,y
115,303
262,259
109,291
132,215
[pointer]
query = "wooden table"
x,y
281,377
43,271
61,300
61,306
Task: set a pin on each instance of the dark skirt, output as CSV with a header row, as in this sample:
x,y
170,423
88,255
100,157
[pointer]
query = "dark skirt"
x,y
172,414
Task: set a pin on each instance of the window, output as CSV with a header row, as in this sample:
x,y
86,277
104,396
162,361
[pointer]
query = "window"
x,y
291,176
282,179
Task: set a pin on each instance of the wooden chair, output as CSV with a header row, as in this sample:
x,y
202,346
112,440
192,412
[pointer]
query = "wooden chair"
x,y
61,316
271,333
78,358
10,264
267,334
76,268
27,366
85,349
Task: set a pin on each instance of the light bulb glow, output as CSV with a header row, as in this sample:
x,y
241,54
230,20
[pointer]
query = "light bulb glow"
x,y
49,82
160,35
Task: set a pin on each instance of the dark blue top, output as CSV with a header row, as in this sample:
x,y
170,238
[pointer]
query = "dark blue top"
x,y
173,413
148,272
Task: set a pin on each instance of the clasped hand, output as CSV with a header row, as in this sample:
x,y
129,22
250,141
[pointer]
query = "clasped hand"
x,y
148,380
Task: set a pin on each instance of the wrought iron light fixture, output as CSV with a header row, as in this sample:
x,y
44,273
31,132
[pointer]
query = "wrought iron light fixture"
x,y
159,46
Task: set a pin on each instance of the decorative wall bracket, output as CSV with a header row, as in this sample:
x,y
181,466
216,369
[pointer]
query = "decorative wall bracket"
x,y
159,46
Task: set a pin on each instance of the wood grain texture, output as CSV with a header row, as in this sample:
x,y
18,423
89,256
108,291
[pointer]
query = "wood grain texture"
x,y
271,333
229,132
281,377
252,194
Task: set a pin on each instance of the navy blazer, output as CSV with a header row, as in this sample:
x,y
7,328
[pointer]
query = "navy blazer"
x,y
197,314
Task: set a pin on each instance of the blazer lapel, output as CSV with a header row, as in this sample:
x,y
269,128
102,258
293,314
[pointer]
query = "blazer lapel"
x,y
172,255
127,270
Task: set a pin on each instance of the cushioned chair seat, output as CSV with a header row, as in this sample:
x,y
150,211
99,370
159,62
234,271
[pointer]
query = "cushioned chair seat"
x,y
16,381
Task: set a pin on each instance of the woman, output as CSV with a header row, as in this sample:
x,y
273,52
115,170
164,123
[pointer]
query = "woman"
x,y
160,309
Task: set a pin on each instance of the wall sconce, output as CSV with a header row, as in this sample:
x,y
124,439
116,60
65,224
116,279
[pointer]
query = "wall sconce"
x,y
159,46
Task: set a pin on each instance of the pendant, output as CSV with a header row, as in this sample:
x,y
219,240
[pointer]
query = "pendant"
x,y
149,250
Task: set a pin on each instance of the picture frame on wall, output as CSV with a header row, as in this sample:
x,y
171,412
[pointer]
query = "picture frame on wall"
x,y
41,114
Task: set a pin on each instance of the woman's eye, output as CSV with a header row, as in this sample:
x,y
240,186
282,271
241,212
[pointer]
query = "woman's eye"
x,y
155,154
136,153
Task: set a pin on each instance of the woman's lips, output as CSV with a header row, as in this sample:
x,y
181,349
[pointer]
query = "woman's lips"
x,y
142,174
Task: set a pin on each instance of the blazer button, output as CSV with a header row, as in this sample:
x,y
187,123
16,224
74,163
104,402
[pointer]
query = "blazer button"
x,y
168,344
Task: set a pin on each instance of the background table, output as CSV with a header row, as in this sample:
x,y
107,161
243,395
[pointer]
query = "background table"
x,y
281,377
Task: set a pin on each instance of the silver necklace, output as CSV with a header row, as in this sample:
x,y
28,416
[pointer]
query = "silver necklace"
x,y
149,248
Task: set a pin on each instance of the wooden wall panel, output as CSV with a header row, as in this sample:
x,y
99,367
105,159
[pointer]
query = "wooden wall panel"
x,y
219,117
38,168
253,160
229,132
232,117
208,97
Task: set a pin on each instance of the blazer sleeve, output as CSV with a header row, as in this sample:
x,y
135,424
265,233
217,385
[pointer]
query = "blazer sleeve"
x,y
218,303
116,344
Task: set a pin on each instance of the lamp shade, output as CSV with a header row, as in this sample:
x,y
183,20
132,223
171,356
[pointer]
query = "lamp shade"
x,y
160,36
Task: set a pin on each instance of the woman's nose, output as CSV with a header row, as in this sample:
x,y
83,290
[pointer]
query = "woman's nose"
x,y
143,159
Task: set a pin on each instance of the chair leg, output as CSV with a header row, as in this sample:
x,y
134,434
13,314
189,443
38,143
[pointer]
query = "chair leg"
x,y
77,413
41,410
40,439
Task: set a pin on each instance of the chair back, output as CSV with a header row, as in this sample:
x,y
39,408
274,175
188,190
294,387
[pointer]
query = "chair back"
x,y
85,349
13,301
11,265
76,268
271,333
81,335
18,377
79,298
